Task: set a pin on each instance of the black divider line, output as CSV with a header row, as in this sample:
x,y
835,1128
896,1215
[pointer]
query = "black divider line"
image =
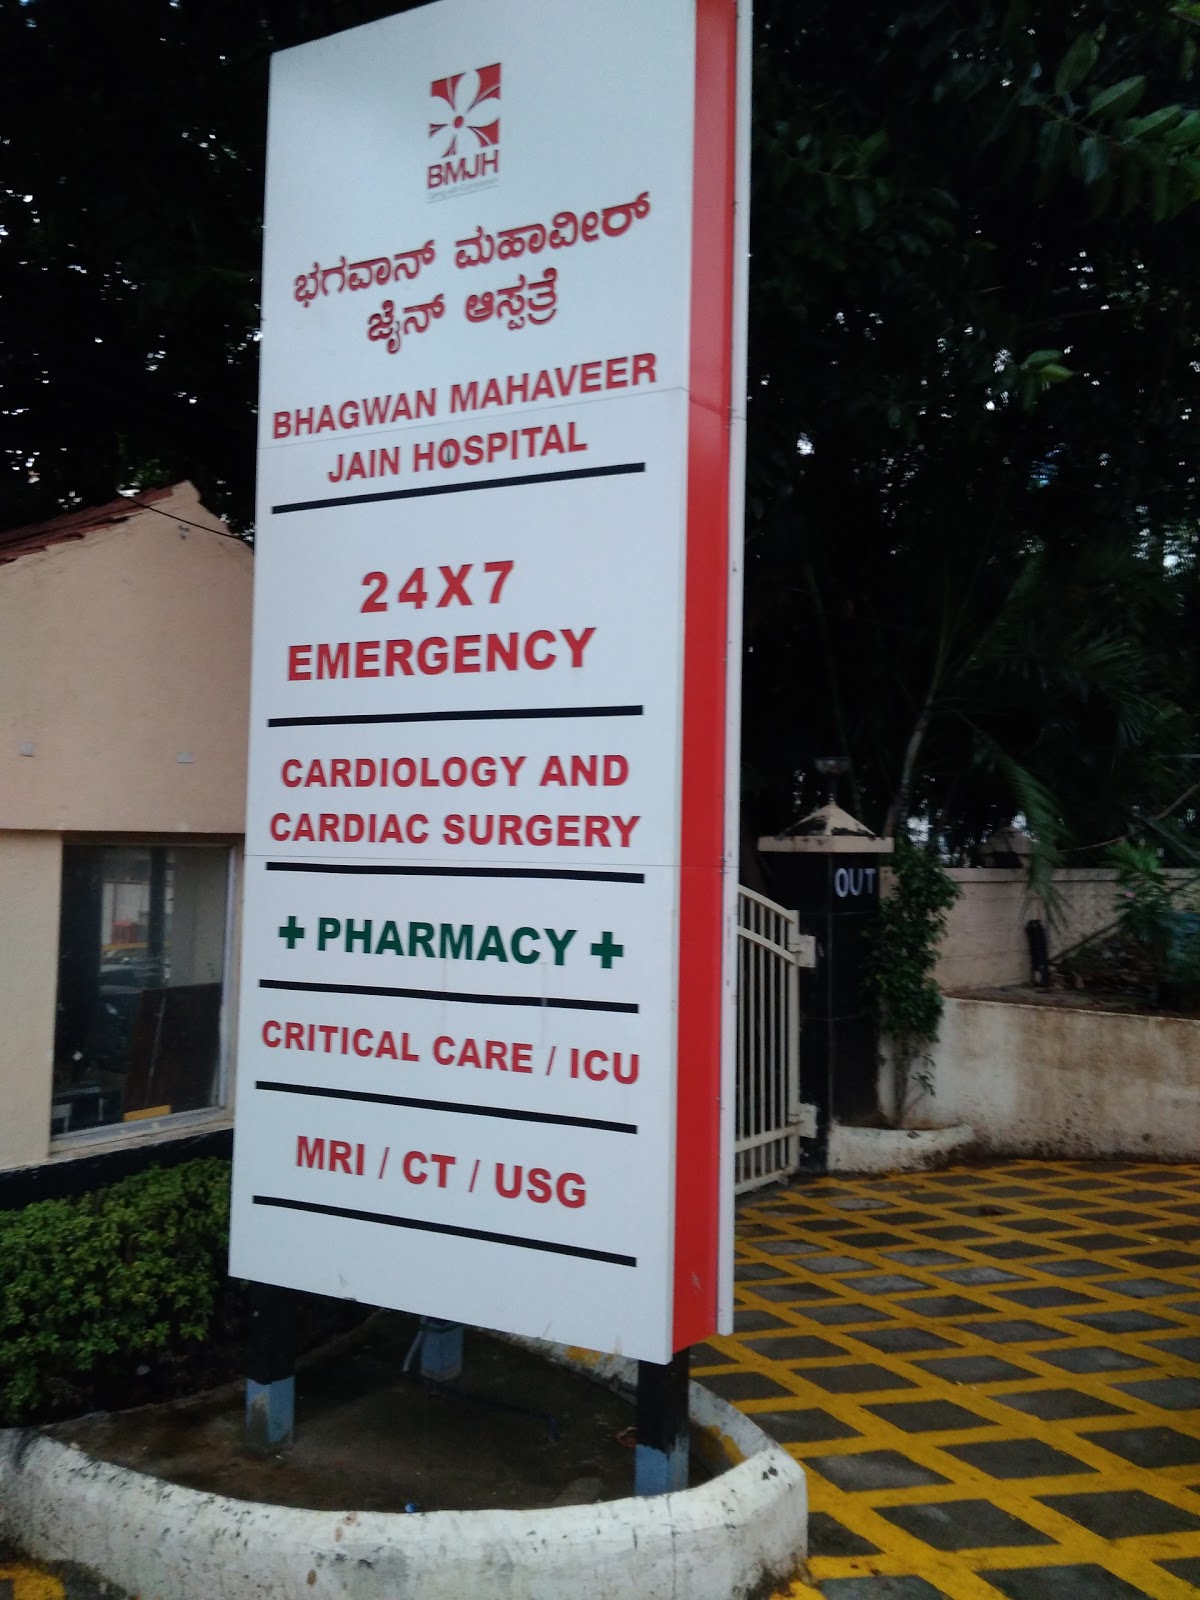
x,y
525,714
362,870
446,995
451,1106
390,1221
623,469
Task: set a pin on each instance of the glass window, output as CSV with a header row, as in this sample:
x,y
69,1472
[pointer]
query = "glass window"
x,y
141,964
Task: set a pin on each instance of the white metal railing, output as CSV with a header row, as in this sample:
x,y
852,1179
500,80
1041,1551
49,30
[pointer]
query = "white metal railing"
x,y
771,951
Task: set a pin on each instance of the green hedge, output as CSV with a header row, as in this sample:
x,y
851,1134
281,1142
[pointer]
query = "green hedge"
x,y
97,1285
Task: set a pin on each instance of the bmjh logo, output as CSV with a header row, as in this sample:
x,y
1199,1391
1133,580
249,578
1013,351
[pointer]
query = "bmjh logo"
x,y
467,136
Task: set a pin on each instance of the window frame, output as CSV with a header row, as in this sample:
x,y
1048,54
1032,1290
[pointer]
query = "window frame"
x,y
145,1128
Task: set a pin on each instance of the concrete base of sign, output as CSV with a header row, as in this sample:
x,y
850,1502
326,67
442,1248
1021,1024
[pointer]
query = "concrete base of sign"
x,y
895,1149
734,1537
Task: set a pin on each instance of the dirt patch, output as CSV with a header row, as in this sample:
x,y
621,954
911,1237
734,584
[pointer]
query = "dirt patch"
x,y
515,1432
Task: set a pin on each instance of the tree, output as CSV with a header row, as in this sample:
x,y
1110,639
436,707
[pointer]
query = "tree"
x,y
974,374
131,217
972,503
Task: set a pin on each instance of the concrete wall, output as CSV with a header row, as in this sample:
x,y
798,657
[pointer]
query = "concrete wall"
x,y
119,653
1035,1079
30,875
985,945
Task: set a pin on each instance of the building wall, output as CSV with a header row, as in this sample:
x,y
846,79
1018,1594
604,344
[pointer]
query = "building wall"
x,y
985,945
30,874
1038,1079
120,653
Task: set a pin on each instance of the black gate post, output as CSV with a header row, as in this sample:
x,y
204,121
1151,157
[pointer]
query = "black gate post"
x,y
827,868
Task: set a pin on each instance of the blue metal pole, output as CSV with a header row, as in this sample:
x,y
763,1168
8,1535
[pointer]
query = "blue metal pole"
x,y
270,1370
441,1349
661,1455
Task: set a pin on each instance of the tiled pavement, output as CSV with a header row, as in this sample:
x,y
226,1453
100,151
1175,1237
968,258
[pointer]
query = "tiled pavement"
x,y
18,1582
991,1376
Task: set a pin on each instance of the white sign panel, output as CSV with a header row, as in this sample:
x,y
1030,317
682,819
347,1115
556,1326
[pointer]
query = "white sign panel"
x,y
485,952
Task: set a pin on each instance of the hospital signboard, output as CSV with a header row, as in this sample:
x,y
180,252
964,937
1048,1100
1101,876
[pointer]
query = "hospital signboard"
x,y
485,1010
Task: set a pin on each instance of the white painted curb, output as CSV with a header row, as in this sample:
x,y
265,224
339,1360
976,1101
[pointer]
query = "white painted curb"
x,y
878,1150
729,1539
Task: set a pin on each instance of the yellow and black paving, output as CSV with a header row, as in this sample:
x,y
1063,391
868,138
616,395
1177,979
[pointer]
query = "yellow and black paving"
x,y
21,1582
991,1377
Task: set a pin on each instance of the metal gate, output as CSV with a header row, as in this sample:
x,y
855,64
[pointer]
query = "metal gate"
x,y
770,1117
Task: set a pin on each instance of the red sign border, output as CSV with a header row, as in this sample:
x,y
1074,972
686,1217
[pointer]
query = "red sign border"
x,y
698,1154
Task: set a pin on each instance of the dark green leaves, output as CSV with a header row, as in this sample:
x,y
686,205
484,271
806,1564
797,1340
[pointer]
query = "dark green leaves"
x,y
1118,100
102,1282
903,945
1055,147
1043,368
864,206
1155,123
1093,159
996,384
1076,64
1187,134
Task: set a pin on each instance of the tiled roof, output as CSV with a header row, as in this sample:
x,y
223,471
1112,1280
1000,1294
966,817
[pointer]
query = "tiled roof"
x,y
18,542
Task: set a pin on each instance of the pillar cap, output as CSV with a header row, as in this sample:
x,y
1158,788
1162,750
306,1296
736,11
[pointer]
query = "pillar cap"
x,y
828,830
1007,847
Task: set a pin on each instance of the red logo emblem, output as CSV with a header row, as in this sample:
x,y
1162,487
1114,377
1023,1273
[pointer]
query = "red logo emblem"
x,y
469,106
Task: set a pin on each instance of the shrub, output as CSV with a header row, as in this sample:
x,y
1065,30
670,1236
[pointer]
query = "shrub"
x,y
902,947
1150,955
98,1284
1145,915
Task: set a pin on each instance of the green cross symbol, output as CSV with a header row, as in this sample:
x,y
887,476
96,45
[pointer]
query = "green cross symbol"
x,y
607,950
291,931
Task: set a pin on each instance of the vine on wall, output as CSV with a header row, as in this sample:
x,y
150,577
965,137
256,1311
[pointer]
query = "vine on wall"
x,y
901,955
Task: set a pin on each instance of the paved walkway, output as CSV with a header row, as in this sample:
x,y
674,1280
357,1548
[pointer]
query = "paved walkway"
x,y
20,1582
992,1378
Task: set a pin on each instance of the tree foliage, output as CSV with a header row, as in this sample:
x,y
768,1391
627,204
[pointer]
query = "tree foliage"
x,y
974,365
131,218
974,378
